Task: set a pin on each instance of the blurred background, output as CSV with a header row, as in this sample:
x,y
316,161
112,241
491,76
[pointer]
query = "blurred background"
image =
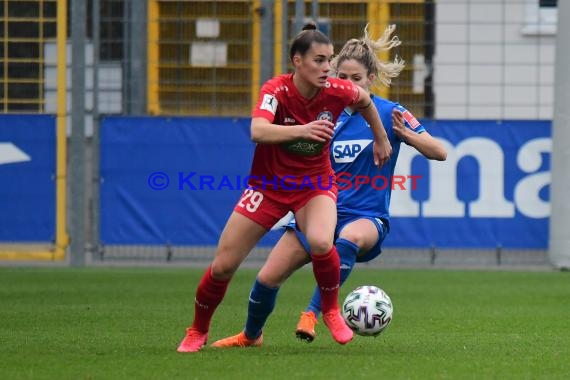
x,y
124,133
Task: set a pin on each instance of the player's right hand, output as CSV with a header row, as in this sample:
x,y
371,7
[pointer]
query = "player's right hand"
x,y
318,130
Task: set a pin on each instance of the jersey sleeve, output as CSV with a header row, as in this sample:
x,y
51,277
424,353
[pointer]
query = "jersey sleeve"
x,y
346,90
410,120
267,103
352,94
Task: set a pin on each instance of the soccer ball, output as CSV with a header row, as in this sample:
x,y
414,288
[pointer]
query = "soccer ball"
x,y
367,310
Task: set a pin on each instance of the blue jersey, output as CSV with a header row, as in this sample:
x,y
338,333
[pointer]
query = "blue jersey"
x,y
351,156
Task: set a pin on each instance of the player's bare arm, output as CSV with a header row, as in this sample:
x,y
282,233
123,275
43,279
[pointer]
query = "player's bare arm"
x,y
263,131
423,142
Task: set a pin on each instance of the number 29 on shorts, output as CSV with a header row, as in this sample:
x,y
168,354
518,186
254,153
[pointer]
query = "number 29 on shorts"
x,y
251,200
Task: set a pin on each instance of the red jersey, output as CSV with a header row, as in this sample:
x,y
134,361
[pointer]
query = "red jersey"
x,y
301,161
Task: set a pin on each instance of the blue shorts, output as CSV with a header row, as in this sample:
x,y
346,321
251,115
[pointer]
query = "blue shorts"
x,y
375,251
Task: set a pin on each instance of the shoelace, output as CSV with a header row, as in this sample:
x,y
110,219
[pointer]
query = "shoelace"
x,y
334,316
190,333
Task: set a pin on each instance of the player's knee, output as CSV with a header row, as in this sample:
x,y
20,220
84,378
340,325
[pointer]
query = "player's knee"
x,y
221,270
354,236
269,280
320,246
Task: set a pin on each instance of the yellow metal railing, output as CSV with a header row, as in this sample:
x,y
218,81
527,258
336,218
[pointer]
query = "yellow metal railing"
x,y
22,251
378,16
179,86
61,239
277,37
23,53
6,58
153,58
175,86
255,55
347,20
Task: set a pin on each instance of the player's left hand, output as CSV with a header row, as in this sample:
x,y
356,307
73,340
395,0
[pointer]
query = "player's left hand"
x,y
382,151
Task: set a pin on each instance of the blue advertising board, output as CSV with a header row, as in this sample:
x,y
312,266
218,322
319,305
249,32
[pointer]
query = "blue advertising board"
x,y
176,180
171,180
27,173
493,189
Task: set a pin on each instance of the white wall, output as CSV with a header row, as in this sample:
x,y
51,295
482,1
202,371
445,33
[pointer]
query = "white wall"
x,y
493,60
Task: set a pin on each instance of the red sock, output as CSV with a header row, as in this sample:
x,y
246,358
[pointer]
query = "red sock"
x,y
209,294
327,273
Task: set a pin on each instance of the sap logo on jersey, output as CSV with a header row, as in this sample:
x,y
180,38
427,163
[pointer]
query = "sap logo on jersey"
x,y
347,151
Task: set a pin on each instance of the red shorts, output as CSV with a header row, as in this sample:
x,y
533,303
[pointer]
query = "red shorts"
x,y
266,207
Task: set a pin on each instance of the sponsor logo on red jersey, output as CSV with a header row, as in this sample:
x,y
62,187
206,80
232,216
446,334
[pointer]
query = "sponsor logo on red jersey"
x,y
269,103
325,115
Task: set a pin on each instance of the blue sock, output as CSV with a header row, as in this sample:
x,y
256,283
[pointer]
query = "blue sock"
x,y
347,252
261,303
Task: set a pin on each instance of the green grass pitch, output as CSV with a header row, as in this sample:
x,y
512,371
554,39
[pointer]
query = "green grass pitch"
x,y
125,323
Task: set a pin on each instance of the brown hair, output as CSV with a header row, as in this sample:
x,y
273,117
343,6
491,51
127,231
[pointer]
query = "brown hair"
x,y
302,42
